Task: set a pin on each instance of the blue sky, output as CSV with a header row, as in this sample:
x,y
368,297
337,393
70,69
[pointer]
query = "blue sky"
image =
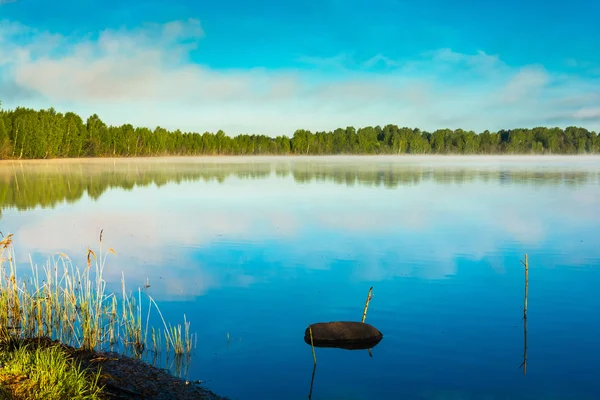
x,y
272,67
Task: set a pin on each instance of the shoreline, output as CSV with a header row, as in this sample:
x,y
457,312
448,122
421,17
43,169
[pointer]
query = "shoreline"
x,y
245,158
119,376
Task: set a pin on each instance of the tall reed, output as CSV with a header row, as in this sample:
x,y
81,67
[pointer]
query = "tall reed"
x,y
72,305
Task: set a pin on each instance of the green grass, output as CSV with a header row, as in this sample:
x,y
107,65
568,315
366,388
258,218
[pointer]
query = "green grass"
x,y
46,373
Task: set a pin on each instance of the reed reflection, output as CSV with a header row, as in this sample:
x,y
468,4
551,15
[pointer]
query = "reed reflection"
x,y
524,364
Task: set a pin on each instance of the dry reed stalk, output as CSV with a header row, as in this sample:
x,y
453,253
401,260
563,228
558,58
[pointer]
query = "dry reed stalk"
x,y
312,345
369,297
6,242
312,382
526,264
526,284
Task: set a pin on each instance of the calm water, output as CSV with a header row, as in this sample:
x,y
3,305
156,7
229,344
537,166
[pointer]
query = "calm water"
x,y
254,250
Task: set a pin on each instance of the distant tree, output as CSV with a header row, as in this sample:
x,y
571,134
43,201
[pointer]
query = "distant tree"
x,y
4,138
27,133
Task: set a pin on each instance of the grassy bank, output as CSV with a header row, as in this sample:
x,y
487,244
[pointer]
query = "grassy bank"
x,y
58,320
31,370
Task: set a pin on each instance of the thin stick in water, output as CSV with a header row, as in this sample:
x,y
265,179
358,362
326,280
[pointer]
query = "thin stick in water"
x,y
525,314
524,365
312,345
369,296
312,382
526,284
526,264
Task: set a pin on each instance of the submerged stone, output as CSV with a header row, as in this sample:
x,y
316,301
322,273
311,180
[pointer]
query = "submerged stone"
x,y
343,334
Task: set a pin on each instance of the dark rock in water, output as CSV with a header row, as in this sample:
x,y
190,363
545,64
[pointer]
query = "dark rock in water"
x,y
344,335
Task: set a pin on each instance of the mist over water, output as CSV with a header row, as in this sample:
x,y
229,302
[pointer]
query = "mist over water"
x,y
253,250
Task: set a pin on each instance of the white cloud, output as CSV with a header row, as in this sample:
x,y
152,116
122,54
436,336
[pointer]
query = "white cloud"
x,y
380,59
155,243
480,60
525,84
145,76
588,113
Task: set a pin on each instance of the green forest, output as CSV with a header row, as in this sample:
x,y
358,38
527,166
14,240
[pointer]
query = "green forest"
x,y
38,134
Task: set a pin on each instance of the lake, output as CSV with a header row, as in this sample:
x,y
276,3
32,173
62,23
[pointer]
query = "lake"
x,y
253,250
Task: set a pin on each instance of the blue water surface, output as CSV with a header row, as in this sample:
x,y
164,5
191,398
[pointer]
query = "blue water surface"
x,y
253,250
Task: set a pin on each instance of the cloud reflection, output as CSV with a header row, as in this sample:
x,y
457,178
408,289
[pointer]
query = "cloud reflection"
x,y
200,235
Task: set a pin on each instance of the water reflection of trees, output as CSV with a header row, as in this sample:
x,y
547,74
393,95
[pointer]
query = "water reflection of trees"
x,y
28,185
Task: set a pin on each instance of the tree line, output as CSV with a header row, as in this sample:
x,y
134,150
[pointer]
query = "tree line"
x,y
36,134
